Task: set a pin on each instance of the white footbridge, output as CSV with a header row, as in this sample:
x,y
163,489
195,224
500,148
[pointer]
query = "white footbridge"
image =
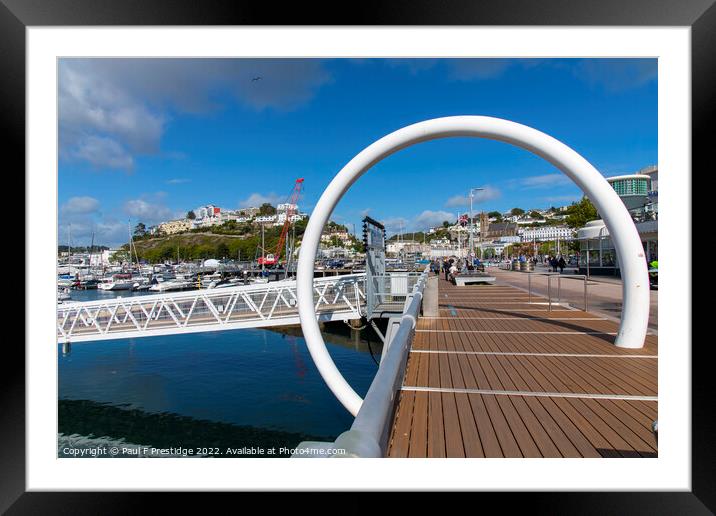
x,y
336,298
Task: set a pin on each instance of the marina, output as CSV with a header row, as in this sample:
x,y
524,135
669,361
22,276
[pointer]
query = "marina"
x,y
221,316
233,388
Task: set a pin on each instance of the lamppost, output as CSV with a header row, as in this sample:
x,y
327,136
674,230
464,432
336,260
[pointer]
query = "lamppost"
x,y
472,221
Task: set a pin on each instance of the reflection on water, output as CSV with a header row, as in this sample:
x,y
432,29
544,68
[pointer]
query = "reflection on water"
x,y
240,385
178,435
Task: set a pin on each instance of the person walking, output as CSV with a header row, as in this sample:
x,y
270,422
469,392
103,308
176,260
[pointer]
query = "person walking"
x,y
553,264
561,264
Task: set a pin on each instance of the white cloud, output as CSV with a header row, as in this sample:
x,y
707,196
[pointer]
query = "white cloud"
x,y
488,193
95,110
430,218
80,205
563,198
130,101
457,201
545,181
619,74
147,212
103,152
395,224
257,199
178,181
421,222
83,231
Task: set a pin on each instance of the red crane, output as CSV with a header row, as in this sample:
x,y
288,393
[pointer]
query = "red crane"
x,y
272,259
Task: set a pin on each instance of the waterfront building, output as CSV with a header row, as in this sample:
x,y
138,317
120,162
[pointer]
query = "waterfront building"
x,y
500,229
547,233
250,212
597,254
281,217
400,247
203,212
175,226
632,188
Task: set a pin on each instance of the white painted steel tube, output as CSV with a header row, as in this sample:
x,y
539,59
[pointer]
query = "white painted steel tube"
x,y
635,308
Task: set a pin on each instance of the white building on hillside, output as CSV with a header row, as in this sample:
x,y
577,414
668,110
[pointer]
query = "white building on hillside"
x,y
547,233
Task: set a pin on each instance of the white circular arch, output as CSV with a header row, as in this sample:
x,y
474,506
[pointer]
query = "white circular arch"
x,y
623,233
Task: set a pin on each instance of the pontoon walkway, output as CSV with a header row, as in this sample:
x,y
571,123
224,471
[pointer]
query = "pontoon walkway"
x,y
494,376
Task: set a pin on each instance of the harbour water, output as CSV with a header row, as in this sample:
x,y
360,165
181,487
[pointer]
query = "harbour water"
x,y
254,386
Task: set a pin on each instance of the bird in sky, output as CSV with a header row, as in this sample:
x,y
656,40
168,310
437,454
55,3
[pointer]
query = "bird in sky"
x,y
256,79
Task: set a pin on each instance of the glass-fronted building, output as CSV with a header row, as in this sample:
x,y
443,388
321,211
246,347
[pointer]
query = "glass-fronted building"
x,y
596,251
639,194
633,189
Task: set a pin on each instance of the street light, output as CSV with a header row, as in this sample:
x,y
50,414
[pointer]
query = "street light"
x,y
472,218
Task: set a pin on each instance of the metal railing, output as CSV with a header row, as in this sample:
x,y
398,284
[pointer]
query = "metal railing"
x,y
559,277
390,291
369,433
270,304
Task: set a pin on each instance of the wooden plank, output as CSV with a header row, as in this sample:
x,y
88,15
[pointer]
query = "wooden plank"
x,y
436,426
419,431
451,420
511,414
468,427
550,439
488,438
400,441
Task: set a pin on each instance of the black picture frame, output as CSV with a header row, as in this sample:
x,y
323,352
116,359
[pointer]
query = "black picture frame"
x,y
700,15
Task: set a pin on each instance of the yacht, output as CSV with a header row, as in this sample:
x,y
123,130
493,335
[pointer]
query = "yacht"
x,y
65,280
63,294
117,282
165,285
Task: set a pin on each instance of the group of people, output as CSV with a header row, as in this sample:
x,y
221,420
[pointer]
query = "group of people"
x,y
454,266
556,263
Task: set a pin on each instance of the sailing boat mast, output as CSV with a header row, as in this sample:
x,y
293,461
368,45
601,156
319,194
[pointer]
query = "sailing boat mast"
x,y
90,252
263,249
131,242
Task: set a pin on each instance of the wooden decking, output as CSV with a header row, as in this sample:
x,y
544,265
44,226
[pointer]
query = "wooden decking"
x,y
494,376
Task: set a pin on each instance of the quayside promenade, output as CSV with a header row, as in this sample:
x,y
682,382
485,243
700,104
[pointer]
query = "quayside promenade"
x,y
493,375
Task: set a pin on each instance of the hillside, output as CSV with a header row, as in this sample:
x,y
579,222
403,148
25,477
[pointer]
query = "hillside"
x,y
202,245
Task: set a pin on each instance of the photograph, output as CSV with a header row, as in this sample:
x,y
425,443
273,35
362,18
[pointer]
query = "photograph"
x,y
284,257
428,251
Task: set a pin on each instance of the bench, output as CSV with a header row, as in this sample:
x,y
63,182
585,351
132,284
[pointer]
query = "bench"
x,y
468,278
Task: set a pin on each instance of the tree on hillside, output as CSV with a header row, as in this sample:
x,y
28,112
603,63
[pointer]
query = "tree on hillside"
x,y
579,213
267,209
534,214
140,230
517,211
120,256
191,215
495,214
335,242
222,250
446,224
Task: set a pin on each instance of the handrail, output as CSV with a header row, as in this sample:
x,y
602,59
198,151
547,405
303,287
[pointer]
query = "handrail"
x,y
369,433
190,294
206,310
559,276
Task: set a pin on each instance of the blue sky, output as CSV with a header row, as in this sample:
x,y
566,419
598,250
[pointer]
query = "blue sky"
x,y
149,139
